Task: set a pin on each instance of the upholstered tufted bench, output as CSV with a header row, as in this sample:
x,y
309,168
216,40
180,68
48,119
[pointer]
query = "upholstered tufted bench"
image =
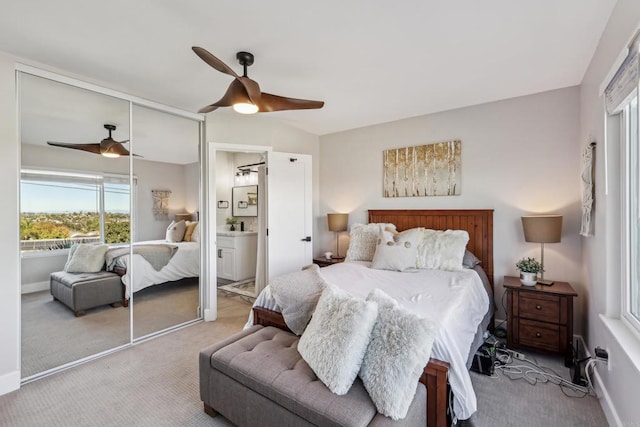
x,y
82,291
257,377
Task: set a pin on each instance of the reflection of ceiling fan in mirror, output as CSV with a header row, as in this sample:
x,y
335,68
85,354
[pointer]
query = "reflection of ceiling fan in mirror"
x,y
244,94
108,147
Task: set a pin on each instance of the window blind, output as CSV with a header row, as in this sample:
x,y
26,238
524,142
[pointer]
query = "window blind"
x,y
625,81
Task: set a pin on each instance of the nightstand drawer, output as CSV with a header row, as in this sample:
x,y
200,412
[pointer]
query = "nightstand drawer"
x,y
541,307
539,335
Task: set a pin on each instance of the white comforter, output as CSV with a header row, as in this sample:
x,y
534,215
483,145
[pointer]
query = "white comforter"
x,y
184,263
456,301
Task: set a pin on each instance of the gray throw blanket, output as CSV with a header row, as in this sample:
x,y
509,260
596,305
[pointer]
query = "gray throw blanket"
x,y
297,294
157,255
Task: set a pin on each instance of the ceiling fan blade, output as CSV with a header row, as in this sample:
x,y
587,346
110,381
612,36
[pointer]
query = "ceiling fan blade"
x,y
91,148
214,62
269,102
235,93
252,88
207,109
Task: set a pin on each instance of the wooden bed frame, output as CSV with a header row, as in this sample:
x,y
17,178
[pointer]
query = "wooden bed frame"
x,y
479,225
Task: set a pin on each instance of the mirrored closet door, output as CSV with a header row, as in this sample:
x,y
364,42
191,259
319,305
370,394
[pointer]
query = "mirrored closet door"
x,y
166,259
110,242
71,196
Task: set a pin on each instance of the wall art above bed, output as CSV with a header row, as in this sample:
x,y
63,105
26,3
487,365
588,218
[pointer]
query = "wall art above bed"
x,y
423,170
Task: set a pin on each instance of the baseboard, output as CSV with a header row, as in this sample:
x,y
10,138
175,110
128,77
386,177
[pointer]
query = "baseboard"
x,y
601,391
34,287
9,382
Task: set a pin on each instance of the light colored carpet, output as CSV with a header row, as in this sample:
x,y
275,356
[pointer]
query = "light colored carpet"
x,y
505,402
156,384
53,336
151,384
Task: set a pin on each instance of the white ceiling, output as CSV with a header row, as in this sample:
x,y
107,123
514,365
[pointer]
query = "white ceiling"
x,y
370,61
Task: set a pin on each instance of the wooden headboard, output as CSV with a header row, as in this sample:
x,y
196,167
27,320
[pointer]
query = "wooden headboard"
x,y
478,223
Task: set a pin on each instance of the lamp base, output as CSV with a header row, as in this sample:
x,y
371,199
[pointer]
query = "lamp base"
x,y
545,282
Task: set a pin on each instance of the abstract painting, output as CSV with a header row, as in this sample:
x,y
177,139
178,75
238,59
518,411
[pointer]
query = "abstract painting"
x,y
424,170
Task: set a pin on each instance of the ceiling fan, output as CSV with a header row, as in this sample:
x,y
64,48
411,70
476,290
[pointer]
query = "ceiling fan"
x,y
244,94
108,147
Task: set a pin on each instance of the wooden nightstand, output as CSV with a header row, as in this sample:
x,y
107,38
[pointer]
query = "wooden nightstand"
x,y
323,262
540,317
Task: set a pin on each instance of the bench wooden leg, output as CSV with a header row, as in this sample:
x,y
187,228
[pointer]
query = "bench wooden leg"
x,y
116,304
79,313
210,411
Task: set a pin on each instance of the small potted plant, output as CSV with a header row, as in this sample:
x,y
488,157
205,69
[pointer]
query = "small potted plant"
x,y
231,221
529,269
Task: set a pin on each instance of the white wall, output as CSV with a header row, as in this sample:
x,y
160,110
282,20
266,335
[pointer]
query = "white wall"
x,y
158,176
9,232
519,156
601,252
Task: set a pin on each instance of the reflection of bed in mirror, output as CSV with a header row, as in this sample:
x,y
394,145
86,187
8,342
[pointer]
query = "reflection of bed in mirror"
x,y
155,262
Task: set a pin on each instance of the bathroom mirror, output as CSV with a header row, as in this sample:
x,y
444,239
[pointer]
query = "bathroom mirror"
x,y
244,200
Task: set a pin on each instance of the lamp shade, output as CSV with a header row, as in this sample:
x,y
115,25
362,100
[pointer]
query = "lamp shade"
x,y
338,221
542,228
183,217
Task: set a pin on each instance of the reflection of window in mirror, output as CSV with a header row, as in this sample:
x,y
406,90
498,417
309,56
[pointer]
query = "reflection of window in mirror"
x,y
245,200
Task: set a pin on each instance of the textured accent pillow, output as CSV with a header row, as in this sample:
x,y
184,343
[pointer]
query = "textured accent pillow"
x,y
188,232
443,250
336,338
397,252
399,350
470,260
363,239
195,236
175,231
86,258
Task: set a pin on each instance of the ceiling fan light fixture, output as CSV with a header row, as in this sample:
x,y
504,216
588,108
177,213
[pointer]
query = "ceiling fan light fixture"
x,y
110,155
245,108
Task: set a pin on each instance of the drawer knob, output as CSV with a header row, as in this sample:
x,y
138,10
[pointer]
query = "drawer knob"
x,y
538,307
538,334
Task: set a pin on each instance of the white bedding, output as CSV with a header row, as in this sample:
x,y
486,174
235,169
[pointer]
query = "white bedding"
x,y
184,263
456,301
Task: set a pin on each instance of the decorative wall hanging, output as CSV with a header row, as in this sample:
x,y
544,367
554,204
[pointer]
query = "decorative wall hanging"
x,y
160,204
424,170
587,190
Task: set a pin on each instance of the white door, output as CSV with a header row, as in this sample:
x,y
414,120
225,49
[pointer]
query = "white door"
x,y
289,212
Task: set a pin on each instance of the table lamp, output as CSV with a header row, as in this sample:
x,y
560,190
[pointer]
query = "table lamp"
x,y
338,222
542,229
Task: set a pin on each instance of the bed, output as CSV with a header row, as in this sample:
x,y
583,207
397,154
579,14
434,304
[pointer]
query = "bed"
x,y
183,263
448,364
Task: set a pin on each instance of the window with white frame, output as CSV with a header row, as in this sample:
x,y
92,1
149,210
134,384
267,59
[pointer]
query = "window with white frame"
x,y
621,97
58,209
631,213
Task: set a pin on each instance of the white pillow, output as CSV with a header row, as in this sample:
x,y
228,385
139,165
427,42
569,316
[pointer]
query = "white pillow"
x,y
399,350
336,338
175,231
363,239
86,258
397,252
443,250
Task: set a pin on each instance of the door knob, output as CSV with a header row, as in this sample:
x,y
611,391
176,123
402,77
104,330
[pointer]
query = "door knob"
x,y
306,239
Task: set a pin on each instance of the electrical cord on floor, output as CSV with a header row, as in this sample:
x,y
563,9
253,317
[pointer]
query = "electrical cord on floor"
x,y
533,373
